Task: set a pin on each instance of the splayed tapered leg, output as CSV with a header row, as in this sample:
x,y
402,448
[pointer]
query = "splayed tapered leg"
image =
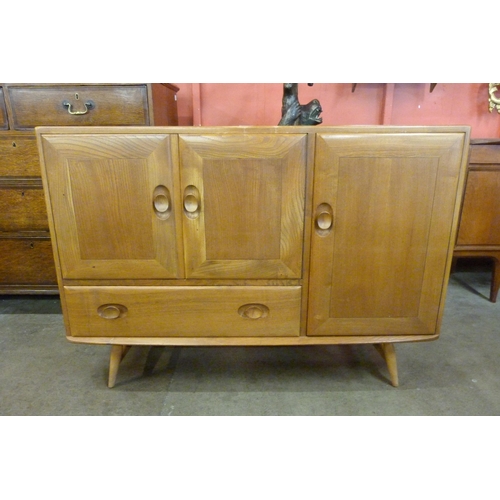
x,y
118,352
388,352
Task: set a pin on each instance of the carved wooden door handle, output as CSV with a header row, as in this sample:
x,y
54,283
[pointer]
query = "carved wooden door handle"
x,y
323,219
162,203
192,202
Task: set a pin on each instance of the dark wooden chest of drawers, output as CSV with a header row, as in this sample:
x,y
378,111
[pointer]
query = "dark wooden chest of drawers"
x,y
26,259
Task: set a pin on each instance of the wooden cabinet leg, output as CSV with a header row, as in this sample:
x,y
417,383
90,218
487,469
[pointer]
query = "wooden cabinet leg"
x,y
117,354
388,352
495,280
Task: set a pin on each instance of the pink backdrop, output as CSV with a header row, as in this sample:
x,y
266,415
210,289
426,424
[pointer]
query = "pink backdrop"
x,y
370,104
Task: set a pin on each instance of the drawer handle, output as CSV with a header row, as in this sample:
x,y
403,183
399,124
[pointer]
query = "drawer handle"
x,y
162,203
253,311
192,203
112,311
87,105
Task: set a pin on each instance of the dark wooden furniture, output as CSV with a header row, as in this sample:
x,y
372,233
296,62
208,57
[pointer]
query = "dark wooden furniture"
x,y
26,261
253,235
479,230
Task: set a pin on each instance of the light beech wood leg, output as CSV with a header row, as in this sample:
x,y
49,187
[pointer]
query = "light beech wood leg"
x,y
388,352
117,354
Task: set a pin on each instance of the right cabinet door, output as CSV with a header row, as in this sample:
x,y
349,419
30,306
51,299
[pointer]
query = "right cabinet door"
x,y
384,210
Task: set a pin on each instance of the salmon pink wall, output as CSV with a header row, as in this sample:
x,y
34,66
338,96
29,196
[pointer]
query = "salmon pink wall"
x,y
222,104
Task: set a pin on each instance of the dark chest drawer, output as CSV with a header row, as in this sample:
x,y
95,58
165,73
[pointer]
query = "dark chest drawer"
x,y
22,208
18,155
26,261
78,105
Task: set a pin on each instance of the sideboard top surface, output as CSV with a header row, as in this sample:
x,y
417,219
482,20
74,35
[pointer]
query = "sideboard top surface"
x,y
242,129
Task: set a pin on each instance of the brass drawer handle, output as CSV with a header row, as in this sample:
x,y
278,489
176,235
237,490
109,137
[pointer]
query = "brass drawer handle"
x,y
87,105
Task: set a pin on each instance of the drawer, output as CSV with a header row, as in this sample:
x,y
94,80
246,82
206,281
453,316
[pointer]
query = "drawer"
x,y
19,156
484,154
227,311
22,209
4,125
26,261
78,105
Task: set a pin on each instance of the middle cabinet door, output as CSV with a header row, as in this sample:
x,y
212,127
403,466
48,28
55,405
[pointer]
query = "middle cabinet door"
x,y
243,204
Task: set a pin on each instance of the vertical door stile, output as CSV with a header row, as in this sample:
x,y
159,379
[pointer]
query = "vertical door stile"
x,y
177,201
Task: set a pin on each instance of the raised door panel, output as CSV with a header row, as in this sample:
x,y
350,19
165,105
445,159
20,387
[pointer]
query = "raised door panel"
x,y
243,197
112,199
386,206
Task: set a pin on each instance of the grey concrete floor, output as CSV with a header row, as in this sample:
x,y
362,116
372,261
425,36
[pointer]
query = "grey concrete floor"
x,y
41,373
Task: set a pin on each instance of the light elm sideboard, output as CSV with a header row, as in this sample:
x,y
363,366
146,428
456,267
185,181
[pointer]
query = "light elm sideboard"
x,y
250,236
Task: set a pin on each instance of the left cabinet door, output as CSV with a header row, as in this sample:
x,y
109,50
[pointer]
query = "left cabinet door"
x,y
111,200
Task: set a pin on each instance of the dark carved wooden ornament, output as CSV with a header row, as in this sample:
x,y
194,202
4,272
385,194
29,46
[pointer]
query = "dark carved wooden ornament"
x,y
293,113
